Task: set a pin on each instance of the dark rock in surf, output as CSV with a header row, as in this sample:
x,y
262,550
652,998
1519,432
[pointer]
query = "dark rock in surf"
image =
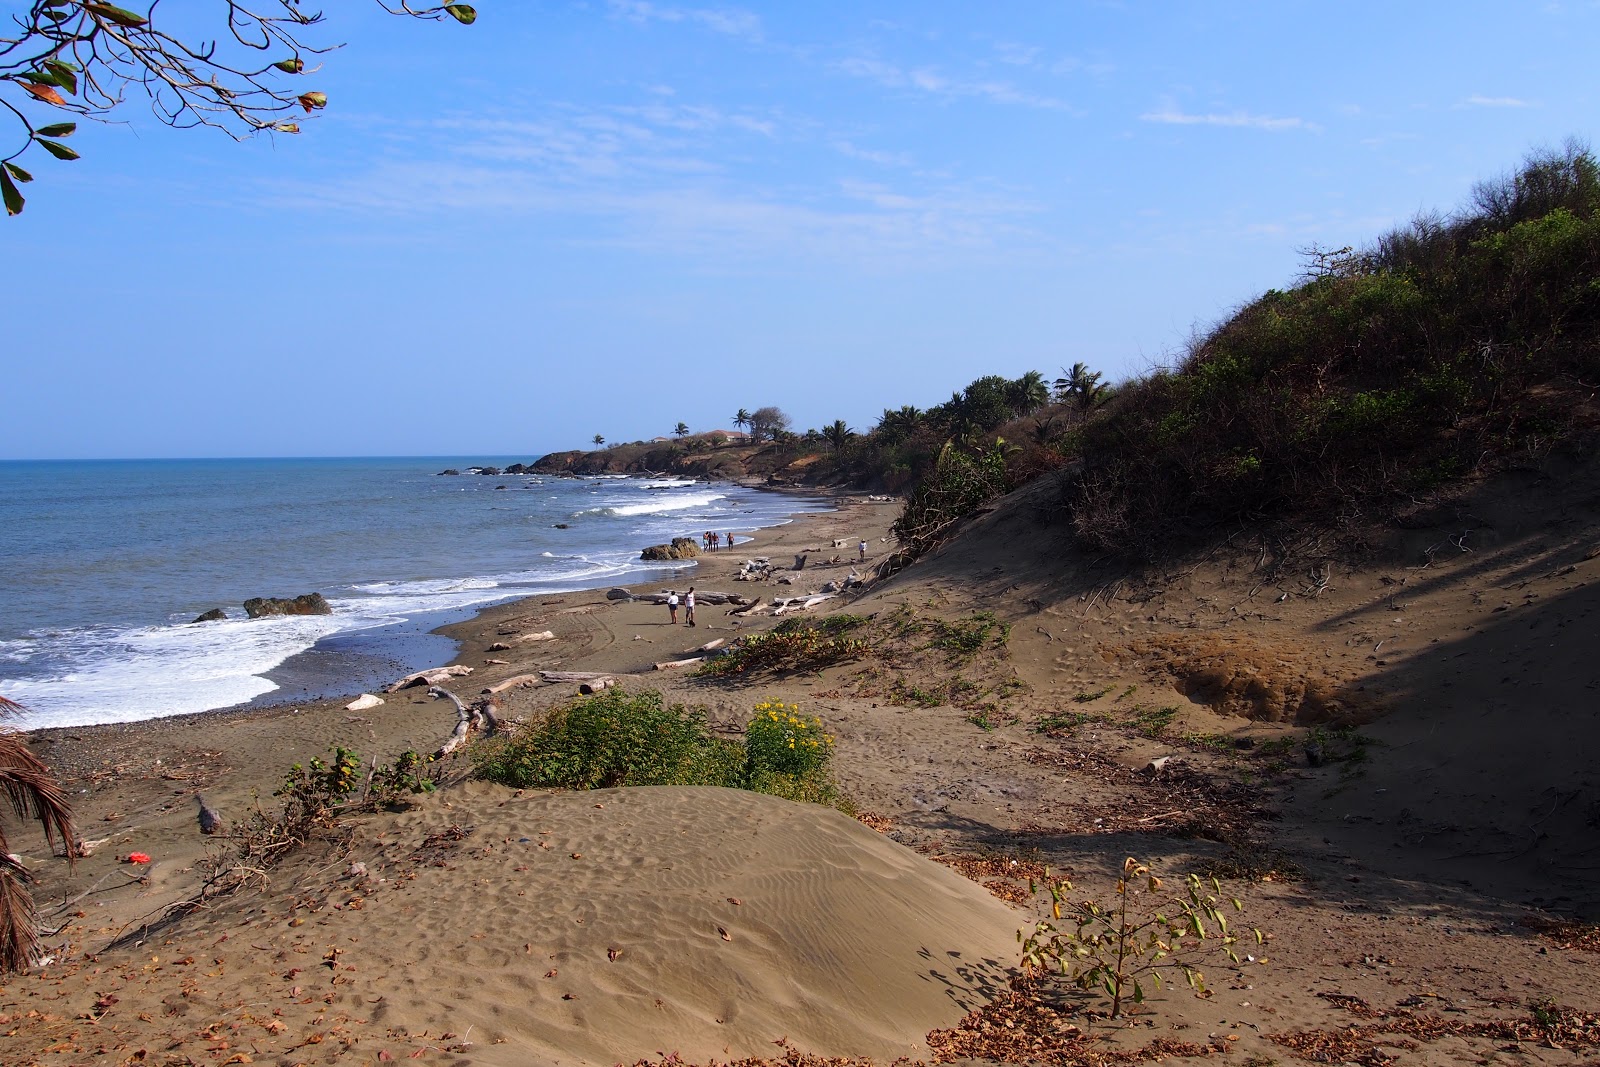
x,y
305,604
450,470
680,548
517,468
491,472
214,615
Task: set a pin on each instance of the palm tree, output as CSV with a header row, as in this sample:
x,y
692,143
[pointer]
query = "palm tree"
x,y
1080,384
898,424
1029,393
682,429
838,434
599,439
34,793
741,418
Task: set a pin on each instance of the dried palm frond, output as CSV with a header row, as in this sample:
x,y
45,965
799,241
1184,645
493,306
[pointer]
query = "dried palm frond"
x,y
33,793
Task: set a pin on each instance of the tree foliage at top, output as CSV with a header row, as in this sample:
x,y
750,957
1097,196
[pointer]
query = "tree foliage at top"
x,y
71,59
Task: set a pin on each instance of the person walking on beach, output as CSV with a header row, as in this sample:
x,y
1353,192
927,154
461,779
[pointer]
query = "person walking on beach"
x,y
688,607
862,548
672,607
730,538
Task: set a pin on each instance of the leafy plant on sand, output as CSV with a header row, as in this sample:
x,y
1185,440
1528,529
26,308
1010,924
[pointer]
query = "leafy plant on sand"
x,y
616,739
1147,933
792,645
33,793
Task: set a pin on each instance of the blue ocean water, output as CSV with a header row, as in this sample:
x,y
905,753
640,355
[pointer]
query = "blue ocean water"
x,y
104,563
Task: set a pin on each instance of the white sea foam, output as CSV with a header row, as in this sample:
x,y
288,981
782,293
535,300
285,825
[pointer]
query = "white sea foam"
x,y
658,506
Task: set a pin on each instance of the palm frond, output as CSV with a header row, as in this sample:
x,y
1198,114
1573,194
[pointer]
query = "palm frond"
x,y
19,935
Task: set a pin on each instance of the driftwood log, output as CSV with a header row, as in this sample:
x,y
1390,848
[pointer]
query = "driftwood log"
x,y
699,598
673,663
514,682
480,716
594,686
800,603
431,676
543,635
571,676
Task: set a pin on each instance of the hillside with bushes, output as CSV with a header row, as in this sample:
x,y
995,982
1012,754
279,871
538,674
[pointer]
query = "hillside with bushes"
x,y
1449,348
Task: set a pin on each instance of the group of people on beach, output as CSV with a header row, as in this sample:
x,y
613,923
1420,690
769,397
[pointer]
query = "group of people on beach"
x,y
688,606
711,539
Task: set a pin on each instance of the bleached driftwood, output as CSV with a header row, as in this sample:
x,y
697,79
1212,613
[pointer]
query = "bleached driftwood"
x,y
543,635
671,663
709,645
514,682
431,676
699,596
571,676
363,702
481,714
801,603
755,607
593,686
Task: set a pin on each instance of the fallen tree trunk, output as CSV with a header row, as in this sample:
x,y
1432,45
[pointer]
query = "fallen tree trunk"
x,y
426,677
480,715
802,603
515,681
543,635
671,663
592,687
571,676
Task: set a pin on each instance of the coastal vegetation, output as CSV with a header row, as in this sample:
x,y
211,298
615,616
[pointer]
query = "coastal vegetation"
x,y
1451,347
616,738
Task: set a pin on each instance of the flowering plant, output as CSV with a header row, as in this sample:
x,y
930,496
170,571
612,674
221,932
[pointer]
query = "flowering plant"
x,y
780,741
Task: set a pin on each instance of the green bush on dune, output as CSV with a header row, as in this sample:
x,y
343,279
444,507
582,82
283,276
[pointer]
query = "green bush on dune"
x,y
616,738
1449,346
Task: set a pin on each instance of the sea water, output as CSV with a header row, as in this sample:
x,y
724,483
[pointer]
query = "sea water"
x,y
104,564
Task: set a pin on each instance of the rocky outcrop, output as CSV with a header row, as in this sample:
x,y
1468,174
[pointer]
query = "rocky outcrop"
x,y
517,468
448,470
214,615
305,604
680,548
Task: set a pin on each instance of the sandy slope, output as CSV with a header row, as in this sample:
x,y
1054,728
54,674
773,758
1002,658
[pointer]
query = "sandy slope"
x,y
1403,869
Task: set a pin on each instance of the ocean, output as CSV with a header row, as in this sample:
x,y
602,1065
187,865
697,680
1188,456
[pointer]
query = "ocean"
x,y
103,565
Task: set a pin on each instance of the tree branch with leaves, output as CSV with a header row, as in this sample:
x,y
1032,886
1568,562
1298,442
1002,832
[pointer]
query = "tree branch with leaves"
x,y
82,58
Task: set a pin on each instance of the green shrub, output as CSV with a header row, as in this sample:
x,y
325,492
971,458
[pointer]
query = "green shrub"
x,y
619,739
792,645
613,739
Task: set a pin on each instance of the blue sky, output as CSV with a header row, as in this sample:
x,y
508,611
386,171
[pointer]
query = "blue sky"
x,y
604,217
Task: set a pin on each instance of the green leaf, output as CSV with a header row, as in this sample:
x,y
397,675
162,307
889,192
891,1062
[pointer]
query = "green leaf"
x,y
57,129
1138,992
18,173
462,13
66,74
60,151
111,13
8,190
290,66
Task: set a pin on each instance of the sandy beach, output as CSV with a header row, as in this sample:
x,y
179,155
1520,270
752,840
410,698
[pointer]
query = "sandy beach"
x,y
1394,877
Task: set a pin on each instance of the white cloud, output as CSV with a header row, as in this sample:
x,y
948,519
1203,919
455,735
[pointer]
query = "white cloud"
x,y
1494,101
935,83
731,21
1171,116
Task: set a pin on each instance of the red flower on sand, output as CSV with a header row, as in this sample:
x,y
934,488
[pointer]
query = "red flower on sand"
x,y
138,857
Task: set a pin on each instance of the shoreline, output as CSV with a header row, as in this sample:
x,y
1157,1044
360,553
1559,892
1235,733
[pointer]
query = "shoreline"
x,y
322,722
364,650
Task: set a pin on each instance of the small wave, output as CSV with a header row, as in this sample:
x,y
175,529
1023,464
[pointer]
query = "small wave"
x,y
654,507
